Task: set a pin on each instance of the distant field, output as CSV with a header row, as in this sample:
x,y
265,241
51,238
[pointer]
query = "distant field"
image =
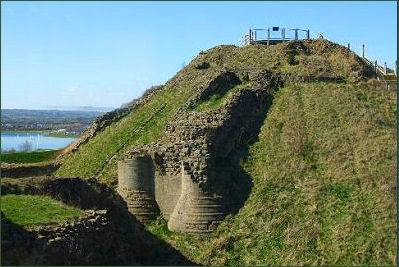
x,y
28,210
29,157
24,119
43,132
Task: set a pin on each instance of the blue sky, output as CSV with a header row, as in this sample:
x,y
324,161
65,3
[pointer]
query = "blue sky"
x,y
107,53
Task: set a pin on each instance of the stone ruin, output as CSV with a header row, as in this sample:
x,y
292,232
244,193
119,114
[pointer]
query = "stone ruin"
x,y
193,176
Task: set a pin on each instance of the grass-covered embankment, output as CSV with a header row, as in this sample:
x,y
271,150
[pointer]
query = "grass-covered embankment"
x,y
324,171
315,59
145,124
28,210
29,157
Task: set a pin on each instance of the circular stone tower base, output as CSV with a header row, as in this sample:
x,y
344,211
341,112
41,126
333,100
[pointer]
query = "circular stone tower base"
x,y
196,211
136,187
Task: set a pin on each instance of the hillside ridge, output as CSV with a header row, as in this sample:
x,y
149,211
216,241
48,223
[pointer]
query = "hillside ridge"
x,y
292,61
278,155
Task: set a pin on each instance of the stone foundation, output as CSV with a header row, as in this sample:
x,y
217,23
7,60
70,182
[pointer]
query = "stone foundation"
x,y
167,193
195,169
196,211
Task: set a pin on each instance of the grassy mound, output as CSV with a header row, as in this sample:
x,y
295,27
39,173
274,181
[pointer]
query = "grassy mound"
x,y
324,171
27,210
146,123
323,168
29,157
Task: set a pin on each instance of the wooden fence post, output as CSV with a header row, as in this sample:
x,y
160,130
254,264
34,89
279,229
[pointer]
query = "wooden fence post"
x,y
385,68
268,36
396,68
362,51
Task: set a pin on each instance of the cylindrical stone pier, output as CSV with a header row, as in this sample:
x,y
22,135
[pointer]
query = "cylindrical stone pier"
x,y
196,211
136,186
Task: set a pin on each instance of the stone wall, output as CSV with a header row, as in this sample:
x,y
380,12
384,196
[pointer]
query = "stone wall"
x,y
56,244
198,179
94,239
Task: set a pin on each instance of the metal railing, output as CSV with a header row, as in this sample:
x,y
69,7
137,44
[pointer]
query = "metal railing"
x,y
252,35
381,71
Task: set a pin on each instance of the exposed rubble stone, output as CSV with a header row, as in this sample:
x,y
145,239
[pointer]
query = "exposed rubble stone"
x,y
56,244
202,65
196,172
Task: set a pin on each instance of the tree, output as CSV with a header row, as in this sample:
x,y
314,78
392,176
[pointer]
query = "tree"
x,y
25,146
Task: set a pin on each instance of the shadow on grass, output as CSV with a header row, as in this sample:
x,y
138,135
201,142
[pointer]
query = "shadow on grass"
x,y
231,174
124,241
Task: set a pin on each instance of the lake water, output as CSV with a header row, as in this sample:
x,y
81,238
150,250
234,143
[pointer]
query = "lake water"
x,y
34,141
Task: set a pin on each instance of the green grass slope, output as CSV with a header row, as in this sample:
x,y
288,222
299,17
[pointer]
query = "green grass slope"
x,y
324,171
146,123
27,210
29,157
